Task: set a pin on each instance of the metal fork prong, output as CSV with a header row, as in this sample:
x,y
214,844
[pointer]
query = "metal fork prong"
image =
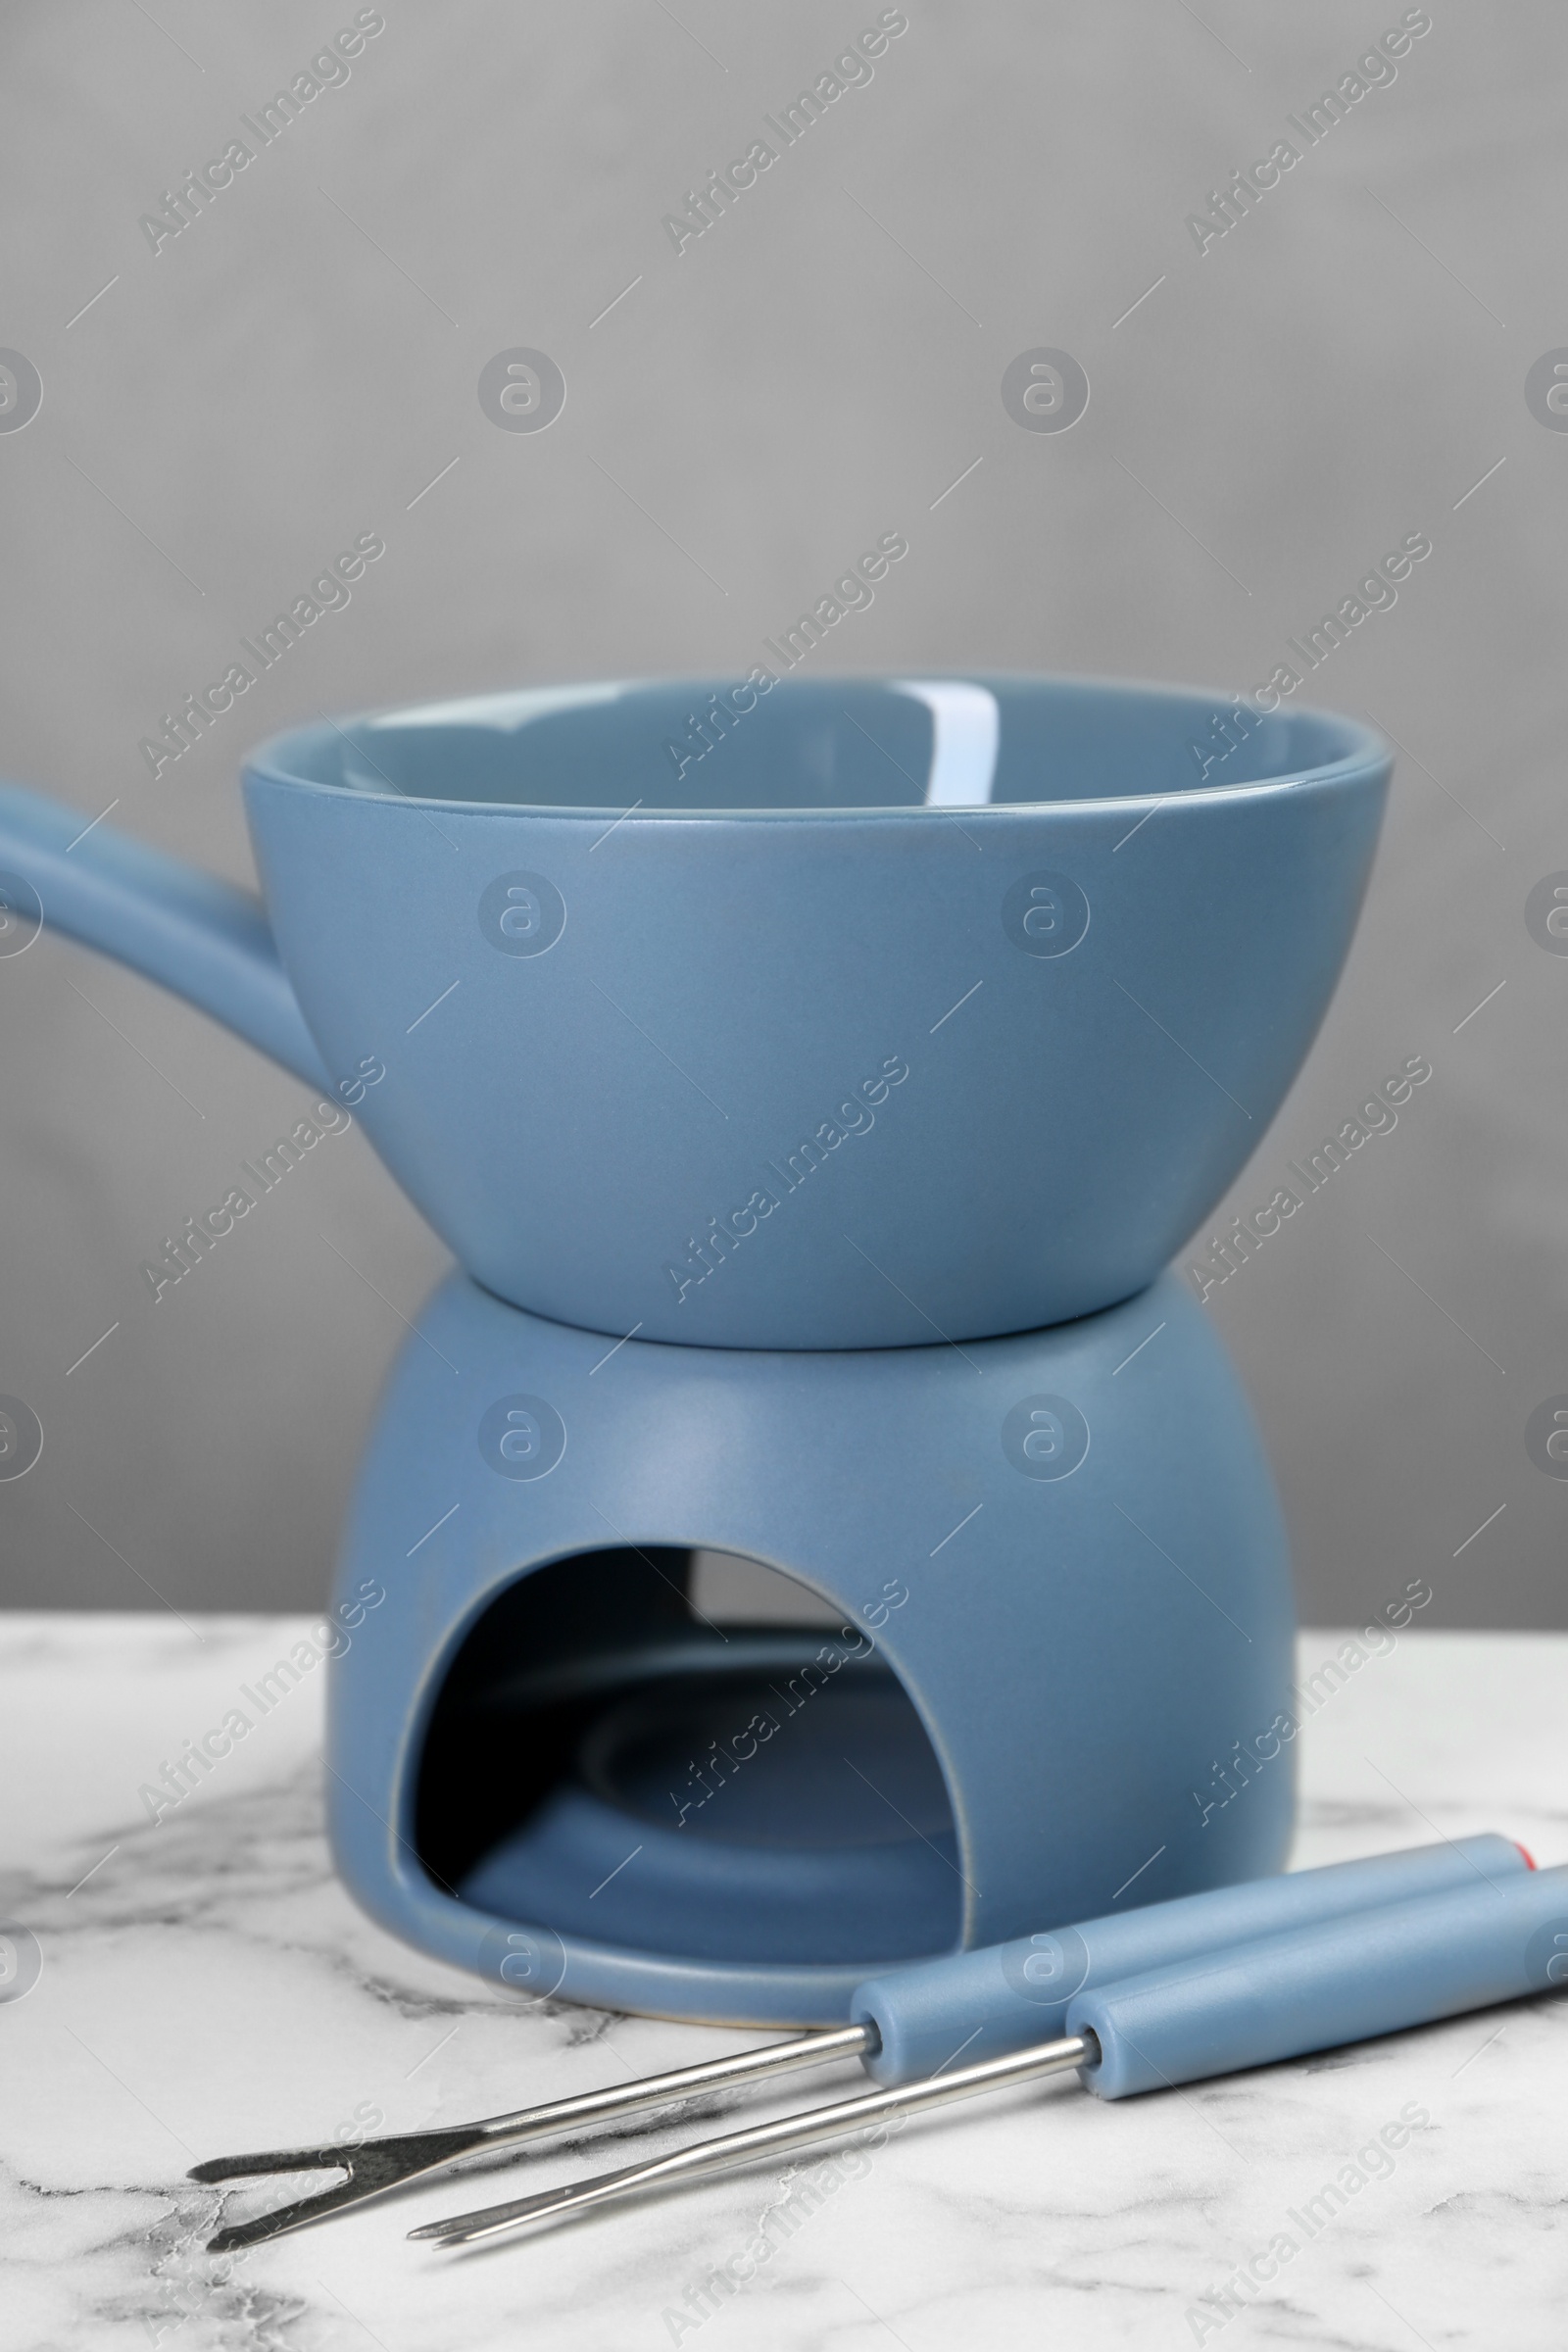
x,y
372,2166
264,2226
275,2160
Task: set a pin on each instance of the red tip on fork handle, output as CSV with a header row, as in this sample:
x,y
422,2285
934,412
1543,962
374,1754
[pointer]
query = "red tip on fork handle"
x,y
1530,1859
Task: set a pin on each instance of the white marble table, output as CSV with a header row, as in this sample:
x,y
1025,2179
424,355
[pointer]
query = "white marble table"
x,y
206,1985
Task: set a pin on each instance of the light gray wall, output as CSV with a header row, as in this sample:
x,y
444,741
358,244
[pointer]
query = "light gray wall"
x,y
1283,408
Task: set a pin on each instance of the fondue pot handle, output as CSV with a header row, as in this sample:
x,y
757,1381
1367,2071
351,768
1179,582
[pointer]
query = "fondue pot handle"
x,y
204,939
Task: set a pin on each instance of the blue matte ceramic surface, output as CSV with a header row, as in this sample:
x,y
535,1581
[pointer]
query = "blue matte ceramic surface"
x,y
1063,1583
840,1014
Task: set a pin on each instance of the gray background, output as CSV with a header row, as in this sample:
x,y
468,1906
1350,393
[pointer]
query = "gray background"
x,y
1335,373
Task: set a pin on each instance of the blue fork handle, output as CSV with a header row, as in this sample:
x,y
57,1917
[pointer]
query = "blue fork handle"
x,y
1345,1979
204,939
1007,1995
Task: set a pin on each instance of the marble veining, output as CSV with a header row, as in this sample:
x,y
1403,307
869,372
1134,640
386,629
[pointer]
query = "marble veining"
x,y
206,1985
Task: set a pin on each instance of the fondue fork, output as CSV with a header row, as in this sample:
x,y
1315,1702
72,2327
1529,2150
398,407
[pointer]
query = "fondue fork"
x,y
374,2165
1345,1979
905,2023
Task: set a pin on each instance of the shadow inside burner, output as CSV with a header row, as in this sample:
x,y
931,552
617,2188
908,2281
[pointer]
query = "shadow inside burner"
x,y
604,1761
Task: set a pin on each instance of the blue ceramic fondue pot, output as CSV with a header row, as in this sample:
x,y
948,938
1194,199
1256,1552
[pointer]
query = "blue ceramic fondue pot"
x,y
1050,1676
850,1013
